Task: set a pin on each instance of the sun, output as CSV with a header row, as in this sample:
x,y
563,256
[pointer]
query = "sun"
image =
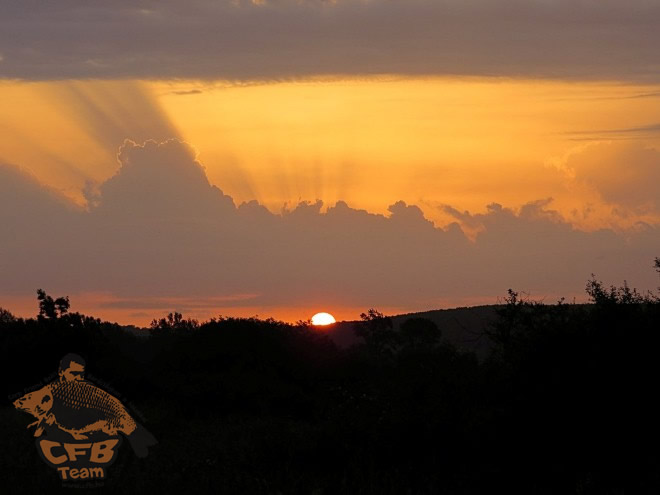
x,y
320,319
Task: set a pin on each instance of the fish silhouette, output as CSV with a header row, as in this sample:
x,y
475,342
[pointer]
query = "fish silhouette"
x,y
79,408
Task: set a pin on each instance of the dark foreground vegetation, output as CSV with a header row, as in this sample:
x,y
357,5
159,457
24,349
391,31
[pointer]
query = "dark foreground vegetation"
x,y
565,402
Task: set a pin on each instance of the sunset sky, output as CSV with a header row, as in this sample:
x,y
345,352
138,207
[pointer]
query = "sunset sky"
x,y
282,158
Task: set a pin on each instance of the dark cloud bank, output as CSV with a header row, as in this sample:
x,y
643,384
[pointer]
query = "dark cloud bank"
x,y
239,39
159,229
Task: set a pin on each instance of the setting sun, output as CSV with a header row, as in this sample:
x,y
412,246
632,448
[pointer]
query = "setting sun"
x,y
320,319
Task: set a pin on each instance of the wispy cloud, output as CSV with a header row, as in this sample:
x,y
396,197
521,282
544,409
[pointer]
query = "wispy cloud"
x,y
633,96
642,131
638,96
180,304
187,92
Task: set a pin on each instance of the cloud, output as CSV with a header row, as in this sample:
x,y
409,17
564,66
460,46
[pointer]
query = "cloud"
x,y
240,40
22,192
38,226
181,304
162,181
640,131
624,174
637,96
160,233
187,92
533,249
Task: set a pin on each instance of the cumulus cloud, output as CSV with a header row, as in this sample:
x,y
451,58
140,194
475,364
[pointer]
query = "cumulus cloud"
x,y
624,174
533,248
159,232
243,40
163,181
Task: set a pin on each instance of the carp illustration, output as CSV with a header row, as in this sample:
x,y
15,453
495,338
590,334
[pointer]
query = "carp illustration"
x,y
80,408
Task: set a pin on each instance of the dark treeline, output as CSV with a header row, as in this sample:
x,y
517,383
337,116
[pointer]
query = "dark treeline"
x,y
566,401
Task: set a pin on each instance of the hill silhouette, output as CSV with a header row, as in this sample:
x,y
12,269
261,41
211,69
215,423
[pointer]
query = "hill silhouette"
x,y
465,328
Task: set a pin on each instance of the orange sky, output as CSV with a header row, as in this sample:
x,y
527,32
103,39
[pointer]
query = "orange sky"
x,y
370,141
433,142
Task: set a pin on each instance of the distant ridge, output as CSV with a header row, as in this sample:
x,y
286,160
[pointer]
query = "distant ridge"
x,y
462,327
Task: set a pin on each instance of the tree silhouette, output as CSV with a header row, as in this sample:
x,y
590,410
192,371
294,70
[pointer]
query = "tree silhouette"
x,y
173,323
50,308
377,331
6,316
511,317
617,295
420,333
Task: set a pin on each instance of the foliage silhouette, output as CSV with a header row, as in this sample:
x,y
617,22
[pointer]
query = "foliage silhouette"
x,y
419,333
564,403
6,316
378,333
51,308
615,295
173,323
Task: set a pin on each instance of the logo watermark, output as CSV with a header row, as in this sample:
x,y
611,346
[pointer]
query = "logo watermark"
x,y
80,425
